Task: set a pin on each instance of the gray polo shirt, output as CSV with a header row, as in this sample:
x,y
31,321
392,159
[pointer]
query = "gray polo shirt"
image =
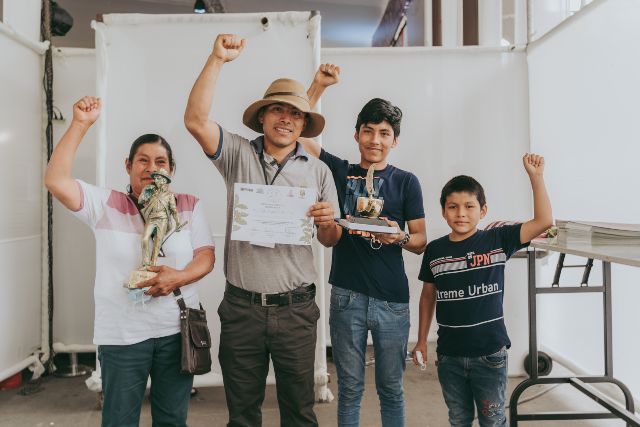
x,y
256,268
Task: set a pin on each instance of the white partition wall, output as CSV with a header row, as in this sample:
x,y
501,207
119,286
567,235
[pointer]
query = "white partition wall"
x,y
447,130
465,112
74,73
146,68
21,135
584,92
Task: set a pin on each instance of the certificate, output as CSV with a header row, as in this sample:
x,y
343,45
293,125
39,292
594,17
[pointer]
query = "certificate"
x,y
271,214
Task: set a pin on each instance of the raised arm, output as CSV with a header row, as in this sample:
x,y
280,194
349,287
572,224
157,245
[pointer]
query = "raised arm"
x,y
542,215
58,179
327,75
226,48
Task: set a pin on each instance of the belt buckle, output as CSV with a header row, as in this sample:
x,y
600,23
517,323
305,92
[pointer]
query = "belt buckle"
x,y
263,301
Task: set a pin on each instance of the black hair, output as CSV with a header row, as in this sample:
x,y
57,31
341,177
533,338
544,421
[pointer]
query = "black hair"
x,y
152,138
463,184
378,110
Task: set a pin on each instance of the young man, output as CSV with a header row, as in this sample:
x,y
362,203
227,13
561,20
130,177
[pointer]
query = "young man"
x,y
464,273
370,289
268,307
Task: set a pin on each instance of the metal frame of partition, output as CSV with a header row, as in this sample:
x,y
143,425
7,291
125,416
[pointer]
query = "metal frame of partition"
x,y
581,383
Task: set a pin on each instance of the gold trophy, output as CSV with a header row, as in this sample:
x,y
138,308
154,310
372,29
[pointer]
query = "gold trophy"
x,y
369,209
159,207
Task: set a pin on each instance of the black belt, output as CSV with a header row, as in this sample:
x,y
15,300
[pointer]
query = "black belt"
x,y
271,300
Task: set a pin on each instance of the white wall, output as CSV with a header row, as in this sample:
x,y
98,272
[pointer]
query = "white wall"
x,y
21,125
146,68
73,244
23,16
548,14
504,73
465,112
584,92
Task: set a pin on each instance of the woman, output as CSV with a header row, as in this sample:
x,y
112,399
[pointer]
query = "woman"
x,y
134,340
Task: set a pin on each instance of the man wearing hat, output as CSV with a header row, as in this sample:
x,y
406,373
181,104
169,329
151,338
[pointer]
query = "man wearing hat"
x,y
269,304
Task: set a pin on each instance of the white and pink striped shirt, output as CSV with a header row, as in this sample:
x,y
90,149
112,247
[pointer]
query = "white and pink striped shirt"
x,y
117,228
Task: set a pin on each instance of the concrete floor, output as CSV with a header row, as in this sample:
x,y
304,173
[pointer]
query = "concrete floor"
x,y
67,402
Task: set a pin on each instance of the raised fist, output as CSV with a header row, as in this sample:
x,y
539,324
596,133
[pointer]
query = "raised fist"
x,y
87,110
327,75
533,164
227,47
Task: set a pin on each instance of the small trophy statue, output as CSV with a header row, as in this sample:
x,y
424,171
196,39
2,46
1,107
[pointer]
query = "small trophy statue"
x,y
369,209
159,206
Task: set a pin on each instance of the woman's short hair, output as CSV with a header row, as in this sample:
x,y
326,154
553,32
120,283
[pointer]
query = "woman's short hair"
x,y
152,138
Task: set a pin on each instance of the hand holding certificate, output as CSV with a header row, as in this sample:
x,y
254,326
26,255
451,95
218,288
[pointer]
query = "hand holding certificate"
x,y
271,214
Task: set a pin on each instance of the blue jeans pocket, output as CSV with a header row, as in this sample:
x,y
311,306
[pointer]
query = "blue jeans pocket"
x,y
497,359
341,298
399,308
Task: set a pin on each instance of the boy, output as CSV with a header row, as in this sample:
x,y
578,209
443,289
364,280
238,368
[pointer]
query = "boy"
x,y
464,273
370,290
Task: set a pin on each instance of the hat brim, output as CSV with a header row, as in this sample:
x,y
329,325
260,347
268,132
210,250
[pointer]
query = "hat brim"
x,y
315,121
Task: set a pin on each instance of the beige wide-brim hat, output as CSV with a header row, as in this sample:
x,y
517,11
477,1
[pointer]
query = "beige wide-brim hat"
x,y
289,92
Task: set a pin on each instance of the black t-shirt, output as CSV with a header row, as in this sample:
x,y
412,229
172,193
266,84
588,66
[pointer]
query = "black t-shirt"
x,y
355,265
469,277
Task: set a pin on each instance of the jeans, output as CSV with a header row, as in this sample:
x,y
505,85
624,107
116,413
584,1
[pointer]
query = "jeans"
x,y
125,370
352,315
479,381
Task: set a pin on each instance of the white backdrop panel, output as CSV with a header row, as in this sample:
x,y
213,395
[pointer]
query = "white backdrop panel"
x,y
584,108
146,68
448,129
465,112
21,190
73,244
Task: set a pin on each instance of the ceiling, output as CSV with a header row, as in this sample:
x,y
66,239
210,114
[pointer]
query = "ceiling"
x,y
345,23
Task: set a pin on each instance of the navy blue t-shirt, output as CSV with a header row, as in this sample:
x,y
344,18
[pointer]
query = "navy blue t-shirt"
x,y
355,265
469,277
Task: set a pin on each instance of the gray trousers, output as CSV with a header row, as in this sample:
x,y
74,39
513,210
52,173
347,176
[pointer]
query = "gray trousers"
x,y
250,334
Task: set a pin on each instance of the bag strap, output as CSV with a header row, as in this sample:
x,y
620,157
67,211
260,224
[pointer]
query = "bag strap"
x,y
179,299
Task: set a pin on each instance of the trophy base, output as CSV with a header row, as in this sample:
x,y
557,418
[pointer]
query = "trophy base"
x,y
369,221
138,276
372,225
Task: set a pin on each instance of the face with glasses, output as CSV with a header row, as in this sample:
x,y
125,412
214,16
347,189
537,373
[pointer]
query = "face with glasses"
x,y
282,124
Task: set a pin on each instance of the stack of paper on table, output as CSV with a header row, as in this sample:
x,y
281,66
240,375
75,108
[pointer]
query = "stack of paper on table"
x,y
599,232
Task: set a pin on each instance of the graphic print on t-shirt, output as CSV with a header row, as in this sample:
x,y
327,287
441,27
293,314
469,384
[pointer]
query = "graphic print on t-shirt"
x,y
357,187
472,261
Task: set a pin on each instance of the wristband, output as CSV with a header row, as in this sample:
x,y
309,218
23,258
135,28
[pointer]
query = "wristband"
x,y
404,240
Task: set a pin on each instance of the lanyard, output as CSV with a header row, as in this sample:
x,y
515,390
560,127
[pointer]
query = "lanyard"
x,y
263,163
